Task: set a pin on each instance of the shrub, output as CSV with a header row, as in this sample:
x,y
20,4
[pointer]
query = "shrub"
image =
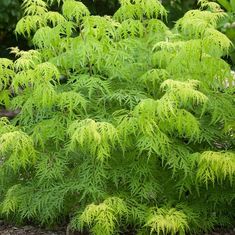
x,y
123,123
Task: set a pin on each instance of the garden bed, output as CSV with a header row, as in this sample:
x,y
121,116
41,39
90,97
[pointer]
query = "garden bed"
x,y
30,230
27,230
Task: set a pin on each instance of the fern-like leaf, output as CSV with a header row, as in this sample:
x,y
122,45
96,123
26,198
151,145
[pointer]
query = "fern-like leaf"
x,y
17,149
73,10
101,137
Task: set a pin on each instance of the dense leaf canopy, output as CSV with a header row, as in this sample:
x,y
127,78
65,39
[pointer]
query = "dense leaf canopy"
x,y
123,122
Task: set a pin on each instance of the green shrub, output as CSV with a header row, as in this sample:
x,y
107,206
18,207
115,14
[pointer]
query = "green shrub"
x,y
123,123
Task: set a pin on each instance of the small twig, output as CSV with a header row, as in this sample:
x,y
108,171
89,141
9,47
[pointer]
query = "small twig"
x,y
68,230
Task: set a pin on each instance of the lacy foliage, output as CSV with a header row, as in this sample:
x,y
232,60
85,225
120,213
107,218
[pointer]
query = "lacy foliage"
x,y
123,122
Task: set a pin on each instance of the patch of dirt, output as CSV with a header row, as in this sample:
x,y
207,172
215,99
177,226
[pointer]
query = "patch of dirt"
x,y
222,232
30,230
27,230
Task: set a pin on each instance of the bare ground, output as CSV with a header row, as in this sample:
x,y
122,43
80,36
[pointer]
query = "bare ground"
x,y
30,230
27,230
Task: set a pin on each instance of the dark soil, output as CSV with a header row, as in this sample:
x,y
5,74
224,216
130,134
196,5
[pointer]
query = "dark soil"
x,y
222,232
27,230
30,230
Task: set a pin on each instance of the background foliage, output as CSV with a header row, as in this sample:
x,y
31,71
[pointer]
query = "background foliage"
x,y
227,25
9,14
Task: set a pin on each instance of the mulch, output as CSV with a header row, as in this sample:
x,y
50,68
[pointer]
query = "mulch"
x,y
222,232
27,230
30,230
